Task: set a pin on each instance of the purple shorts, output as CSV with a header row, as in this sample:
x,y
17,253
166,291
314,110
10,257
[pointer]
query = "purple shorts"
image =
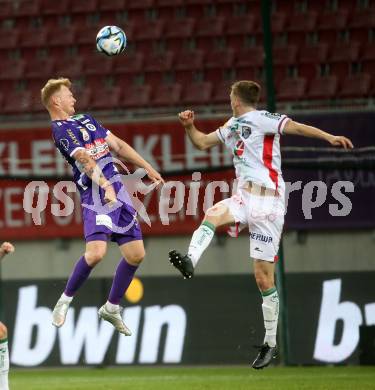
x,y
101,223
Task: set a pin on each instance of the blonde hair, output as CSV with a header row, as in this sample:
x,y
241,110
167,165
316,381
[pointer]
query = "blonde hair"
x,y
52,86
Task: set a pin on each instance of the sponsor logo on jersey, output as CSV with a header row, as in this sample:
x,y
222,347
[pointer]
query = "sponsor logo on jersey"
x,y
246,131
84,133
239,149
98,148
64,144
260,237
272,115
73,137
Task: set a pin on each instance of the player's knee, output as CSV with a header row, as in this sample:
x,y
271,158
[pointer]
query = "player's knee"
x,y
3,331
136,257
93,257
214,215
264,280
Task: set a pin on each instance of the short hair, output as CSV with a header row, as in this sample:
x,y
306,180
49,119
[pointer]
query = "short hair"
x,y
52,86
247,91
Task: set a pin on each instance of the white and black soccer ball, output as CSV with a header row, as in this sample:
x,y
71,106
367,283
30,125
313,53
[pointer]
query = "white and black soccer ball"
x,y
111,40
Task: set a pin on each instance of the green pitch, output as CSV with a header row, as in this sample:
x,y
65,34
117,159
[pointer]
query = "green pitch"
x,y
196,378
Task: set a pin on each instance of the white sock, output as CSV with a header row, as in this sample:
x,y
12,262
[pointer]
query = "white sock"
x,y
66,298
4,365
200,241
111,307
270,308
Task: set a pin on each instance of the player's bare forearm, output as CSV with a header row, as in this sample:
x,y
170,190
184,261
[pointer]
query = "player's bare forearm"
x,y
296,128
91,168
130,155
196,136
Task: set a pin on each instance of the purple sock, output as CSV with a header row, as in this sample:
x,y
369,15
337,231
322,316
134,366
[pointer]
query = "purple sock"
x,y
123,277
80,273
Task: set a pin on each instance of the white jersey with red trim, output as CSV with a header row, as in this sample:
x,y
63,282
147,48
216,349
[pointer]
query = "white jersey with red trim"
x,y
254,140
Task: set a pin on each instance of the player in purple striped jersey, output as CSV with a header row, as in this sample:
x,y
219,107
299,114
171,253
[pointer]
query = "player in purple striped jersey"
x,y
108,213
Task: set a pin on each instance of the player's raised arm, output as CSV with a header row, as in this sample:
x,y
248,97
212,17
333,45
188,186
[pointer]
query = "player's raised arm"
x,y
199,139
125,151
6,248
296,128
93,171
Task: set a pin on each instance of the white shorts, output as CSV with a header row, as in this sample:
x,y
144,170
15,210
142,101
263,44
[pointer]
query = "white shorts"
x,y
264,215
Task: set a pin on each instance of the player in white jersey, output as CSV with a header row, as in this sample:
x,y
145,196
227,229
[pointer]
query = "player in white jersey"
x,y
5,248
253,137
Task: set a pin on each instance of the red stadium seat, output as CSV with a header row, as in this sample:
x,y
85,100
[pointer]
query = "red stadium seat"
x,y
7,9
17,102
129,63
9,41
167,95
106,98
356,86
189,60
179,28
55,7
285,55
322,88
344,52
278,24
12,69
113,5
33,38
240,25
221,93
61,36
197,93
83,97
159,62
251,56
136,96
149,30
86,6
209,27
86,35
169,3
219,59
302,22
139,4
40,68
313,54
97,64
70,67
362,19
292,89
27,8
332,20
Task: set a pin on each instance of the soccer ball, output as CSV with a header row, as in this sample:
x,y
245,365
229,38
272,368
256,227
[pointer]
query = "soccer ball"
x,y
111,40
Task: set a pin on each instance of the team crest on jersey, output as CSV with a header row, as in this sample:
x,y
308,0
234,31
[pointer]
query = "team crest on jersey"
x,y
90,126
85,134
246,131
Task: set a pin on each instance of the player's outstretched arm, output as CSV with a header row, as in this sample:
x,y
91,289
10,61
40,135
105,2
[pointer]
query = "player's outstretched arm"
x,y
199,139
6,248
125,151
296,128
93,171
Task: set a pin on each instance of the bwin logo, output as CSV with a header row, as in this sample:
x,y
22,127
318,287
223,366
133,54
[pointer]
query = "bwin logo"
x,y
83,334
260,237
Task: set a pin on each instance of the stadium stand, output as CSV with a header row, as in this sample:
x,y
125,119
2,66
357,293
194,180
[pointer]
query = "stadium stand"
x,y
194,40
